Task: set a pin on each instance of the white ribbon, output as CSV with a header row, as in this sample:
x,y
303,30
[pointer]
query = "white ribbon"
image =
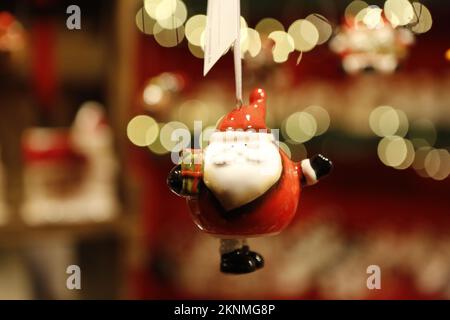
x,y
223,29
238,60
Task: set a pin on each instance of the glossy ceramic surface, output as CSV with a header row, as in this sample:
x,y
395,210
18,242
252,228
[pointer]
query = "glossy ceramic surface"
x,y
269,214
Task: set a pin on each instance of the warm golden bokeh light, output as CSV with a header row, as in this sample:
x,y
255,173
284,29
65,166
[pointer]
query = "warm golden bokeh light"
x,y
447,55
152,94
444,169
195,27
160,9
437,164
371,17
268,25
305,35
157,147
251,43
322,25
353,9
422,21
322,118
419,160
392,151
244,23
283,146
142,130
284,45
166,37
171,136
399,12
403,126
196,50
409,158
387,121
432,162
177,19
300,127
144,22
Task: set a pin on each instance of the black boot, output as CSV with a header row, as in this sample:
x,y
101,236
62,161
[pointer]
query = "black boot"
x,y
237,262
259,260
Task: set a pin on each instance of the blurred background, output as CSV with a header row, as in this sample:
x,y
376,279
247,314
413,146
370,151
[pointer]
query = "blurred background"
x,y
85,140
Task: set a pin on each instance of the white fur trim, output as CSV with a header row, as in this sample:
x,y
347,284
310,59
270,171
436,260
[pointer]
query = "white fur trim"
x,y
231,136
308,172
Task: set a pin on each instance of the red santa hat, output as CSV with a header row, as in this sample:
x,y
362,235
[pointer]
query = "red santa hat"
x,y
247,117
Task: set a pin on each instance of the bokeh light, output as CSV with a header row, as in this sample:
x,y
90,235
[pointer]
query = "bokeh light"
x,y
152,94
387,121
244,24
157,148
268,25
166,37
321,116
305,35
422,20
177,19
322,25
144,22
419,160
393,151
399,12
196,50
160,9
353,9
437,164
251,43
283,146
447,54
195,28
371,17
284,45
169,140
142,130
299,127
409,157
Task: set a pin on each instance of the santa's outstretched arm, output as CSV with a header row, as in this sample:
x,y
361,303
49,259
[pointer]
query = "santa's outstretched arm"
x,y
314,169
184,179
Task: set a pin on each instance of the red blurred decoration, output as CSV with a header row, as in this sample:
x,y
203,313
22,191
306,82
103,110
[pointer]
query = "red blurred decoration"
x,y
41,145
44,63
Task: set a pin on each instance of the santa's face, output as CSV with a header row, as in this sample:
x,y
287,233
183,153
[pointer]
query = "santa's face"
x,y
240,166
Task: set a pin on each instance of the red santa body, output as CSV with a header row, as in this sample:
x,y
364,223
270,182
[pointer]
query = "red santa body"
x,y
242,185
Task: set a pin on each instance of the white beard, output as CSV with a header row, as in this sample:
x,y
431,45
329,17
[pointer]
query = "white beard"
x,y
241,166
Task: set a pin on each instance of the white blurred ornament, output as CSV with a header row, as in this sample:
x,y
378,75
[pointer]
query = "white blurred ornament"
x,y
367,41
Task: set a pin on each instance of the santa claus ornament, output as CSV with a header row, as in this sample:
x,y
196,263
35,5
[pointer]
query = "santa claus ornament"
x,y
242,185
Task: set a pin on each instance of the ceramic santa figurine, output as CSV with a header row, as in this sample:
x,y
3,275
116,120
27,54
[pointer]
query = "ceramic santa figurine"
x,y
242,185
